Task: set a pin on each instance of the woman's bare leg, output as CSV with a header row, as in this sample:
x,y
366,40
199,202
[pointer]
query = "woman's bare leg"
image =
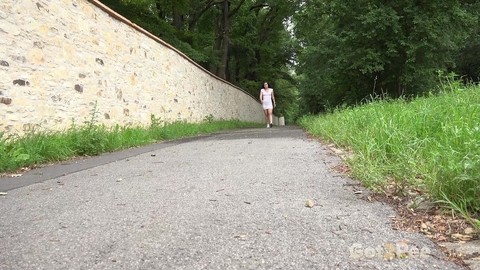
x,y
270,116
266,116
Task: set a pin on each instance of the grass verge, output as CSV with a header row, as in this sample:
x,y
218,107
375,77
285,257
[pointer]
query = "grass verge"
x,y
39,147
431,144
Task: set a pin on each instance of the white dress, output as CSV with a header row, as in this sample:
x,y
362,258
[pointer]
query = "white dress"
x,y
267,98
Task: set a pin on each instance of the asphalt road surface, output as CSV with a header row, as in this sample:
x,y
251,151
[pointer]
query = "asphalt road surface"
x,y
233,200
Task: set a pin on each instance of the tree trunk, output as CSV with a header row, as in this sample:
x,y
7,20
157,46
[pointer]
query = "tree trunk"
x,y
225,40
177,19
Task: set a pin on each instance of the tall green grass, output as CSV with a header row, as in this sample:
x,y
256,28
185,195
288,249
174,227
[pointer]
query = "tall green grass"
x,y
431,143
39,147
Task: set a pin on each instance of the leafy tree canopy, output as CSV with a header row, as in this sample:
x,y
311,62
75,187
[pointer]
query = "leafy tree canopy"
x,y
322,53
243,41
352,50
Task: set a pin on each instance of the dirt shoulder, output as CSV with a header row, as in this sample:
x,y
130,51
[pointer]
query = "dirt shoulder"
x,y
453,234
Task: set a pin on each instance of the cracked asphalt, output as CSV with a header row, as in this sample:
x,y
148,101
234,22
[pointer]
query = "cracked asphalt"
x,y
231,200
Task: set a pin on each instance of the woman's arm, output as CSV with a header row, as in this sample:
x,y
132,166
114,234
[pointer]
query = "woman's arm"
x,y
273,99
261,97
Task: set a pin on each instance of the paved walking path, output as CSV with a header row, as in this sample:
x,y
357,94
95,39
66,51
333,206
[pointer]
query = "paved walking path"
x,y
234,200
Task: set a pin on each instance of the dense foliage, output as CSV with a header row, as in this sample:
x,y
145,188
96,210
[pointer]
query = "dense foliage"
x,y
243,41
353,50
320,54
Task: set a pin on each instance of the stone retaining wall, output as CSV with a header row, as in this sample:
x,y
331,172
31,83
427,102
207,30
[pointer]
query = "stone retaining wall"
x,y
61,60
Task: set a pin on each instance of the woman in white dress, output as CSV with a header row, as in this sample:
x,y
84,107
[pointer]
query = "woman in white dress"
x,y
268,102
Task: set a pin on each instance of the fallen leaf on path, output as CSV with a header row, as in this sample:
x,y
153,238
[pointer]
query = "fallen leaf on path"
x,y
241,237
441,238
424,226
309,203
461,237
469,230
